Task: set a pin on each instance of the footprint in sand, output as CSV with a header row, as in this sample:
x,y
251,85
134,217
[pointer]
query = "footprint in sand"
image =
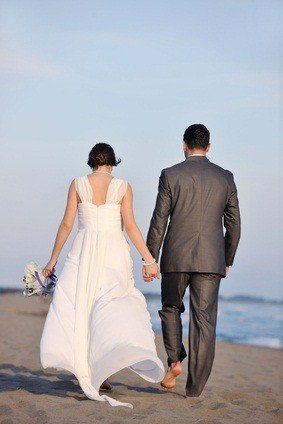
x,y
218,405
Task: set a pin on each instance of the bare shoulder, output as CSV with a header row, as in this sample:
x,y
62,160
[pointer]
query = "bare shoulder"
x,y
72,184
124,190
122,182
75,181
75,184
128,187
77,178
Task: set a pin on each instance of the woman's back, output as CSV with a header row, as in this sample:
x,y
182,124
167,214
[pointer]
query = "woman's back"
x,y
98,322
100,190
99,184
99,207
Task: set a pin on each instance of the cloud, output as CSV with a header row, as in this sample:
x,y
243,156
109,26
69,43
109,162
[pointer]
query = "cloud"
x,y
15,61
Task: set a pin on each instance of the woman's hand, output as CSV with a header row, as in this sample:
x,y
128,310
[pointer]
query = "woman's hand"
x,y
149,272
49,268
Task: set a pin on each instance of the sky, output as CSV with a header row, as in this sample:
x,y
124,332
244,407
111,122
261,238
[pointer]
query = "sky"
x,y
136,74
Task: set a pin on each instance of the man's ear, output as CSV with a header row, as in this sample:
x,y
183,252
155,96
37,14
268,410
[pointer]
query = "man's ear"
x,y
185,147
208,148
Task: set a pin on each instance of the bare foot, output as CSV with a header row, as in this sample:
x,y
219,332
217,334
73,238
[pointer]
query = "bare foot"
x,y
169,380
106,386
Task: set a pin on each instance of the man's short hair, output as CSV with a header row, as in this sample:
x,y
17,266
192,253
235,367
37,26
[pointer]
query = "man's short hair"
x,y
197,136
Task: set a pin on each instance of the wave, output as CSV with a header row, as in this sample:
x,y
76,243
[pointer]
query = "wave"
x,y
239,298
274,343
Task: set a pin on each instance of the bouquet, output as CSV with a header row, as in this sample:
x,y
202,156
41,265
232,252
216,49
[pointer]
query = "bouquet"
x,y
36,283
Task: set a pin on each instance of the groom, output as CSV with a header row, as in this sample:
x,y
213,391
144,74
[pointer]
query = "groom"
x,y
197,197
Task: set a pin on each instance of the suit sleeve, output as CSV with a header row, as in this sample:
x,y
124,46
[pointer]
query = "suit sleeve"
x,y
160,216
232,223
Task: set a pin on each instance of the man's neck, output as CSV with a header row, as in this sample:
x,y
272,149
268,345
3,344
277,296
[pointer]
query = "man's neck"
x,y
195,154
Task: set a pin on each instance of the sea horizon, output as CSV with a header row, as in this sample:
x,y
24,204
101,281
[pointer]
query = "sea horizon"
x,y
242,319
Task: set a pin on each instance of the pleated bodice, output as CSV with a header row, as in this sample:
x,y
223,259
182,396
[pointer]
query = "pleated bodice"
x,y
99,218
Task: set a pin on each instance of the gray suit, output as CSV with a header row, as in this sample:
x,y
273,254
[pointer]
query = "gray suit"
x,y
196,194
197,197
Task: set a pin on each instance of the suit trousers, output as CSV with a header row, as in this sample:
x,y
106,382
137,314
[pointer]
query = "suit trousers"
x,y
204,288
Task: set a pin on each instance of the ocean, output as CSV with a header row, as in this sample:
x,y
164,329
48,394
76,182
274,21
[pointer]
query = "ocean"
x,y
241,319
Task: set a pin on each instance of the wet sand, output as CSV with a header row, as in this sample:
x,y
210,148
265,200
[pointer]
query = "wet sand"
x,y
244,386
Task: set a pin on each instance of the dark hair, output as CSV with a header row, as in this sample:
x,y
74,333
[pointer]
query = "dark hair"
x,y
102,154
197,136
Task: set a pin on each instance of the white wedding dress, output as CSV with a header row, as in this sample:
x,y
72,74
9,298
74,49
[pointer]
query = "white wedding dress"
x,y
98,323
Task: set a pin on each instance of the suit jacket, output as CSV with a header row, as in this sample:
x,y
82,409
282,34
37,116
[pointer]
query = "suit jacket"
x,y
198,198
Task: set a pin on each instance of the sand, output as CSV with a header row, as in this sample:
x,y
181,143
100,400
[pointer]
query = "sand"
x,y
244,386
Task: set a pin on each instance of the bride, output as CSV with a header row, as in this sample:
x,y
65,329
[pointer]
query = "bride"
x,y
98,323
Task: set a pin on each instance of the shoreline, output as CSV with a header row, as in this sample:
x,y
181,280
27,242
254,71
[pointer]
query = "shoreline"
x,y
238,298
46,300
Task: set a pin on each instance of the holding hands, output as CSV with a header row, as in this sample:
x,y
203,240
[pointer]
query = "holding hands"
x,y
150,271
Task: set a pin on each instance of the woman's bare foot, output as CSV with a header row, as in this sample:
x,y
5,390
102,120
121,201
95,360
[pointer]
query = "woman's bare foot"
x,y
106,386
169,380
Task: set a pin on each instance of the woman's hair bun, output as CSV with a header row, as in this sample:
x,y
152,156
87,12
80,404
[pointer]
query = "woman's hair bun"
x,y
102,154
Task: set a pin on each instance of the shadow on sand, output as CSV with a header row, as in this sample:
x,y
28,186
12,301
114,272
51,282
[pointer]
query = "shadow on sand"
x,y
38,382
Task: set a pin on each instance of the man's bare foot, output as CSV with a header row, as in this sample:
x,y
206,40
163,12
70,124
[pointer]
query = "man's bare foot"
x,y
169,380
106,386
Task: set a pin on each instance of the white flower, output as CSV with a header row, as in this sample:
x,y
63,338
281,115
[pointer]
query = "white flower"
x,y
32,284
31,267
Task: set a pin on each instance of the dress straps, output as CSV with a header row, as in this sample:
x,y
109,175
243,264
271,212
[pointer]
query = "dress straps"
x,y
83,189
116,190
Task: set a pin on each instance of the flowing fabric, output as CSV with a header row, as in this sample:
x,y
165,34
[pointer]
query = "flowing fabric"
x,y
98,322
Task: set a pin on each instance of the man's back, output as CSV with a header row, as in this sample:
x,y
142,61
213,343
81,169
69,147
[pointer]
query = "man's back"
x,y
196,195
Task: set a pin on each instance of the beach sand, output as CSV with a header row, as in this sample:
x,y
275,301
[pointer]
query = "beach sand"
x,y
244,386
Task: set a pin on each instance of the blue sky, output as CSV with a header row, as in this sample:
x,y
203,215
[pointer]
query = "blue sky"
x,y
135,74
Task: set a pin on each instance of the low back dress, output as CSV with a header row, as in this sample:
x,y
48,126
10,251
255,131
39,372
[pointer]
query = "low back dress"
x,y
98,322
